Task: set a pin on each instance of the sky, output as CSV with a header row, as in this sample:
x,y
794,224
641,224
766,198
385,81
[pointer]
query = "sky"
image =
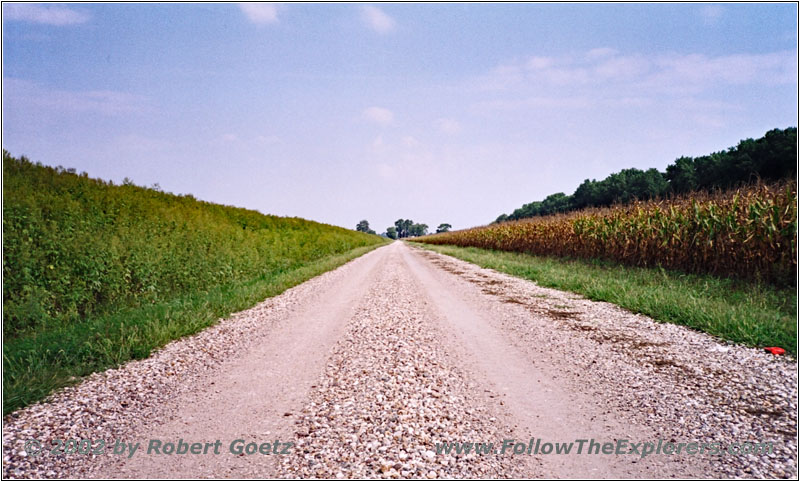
x,y
439,113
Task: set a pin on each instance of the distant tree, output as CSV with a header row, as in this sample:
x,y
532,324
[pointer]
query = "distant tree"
x,y
527,211
649,184
586,195
614,188
710,170
681,175
772,157
621,187
776,153
363,226
555,203
407,225
403,227
391,232
741,163
443,228
418,230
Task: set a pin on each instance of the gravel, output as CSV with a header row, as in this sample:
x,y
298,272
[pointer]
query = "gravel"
x,y
395,384
389,394
114,404
687,385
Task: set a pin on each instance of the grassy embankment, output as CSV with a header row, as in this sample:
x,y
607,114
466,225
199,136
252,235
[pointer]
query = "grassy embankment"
x,y
96,274
724,264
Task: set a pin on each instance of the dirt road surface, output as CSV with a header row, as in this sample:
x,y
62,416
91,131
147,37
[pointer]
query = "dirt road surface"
x,y
366,369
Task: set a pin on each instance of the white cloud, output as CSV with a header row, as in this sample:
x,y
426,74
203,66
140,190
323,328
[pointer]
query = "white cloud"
x,y
46,14
536,63
377,20
379,115
628,67
25,93
711,14
699,72
554,102
272,139
604,69
260,12
501,77
448,126
410,141
259,141
386,171
584,84
709,121
136,142
601,52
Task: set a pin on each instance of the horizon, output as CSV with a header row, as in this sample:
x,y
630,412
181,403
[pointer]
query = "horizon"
x,y
431,229
341,112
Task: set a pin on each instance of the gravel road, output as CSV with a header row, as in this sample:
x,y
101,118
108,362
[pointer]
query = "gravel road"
x,y
362,371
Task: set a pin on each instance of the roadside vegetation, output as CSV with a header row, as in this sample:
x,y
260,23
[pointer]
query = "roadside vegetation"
x,y
754,314
95,274
710,244
748,233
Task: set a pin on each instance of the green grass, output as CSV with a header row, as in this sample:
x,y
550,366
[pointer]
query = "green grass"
x,y
36,364
95,274
753,314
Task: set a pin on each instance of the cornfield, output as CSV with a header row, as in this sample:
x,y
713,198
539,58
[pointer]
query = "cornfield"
x,y
747,233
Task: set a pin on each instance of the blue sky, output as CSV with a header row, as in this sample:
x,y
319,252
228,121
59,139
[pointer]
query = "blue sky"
x,y
436,112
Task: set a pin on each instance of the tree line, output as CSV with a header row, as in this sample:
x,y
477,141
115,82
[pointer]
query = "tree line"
x,y
402,228
771,157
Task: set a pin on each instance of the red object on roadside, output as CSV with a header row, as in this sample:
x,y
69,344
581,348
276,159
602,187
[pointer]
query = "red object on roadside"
x,y
775,350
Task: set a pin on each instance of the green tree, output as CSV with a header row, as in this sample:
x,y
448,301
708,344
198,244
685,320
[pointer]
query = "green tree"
x,y
681,175
407,226
527,211
776,154
555,203
647,184
710,170
363,226
584,195
403,227
772,157
443,228
418,230
391,232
